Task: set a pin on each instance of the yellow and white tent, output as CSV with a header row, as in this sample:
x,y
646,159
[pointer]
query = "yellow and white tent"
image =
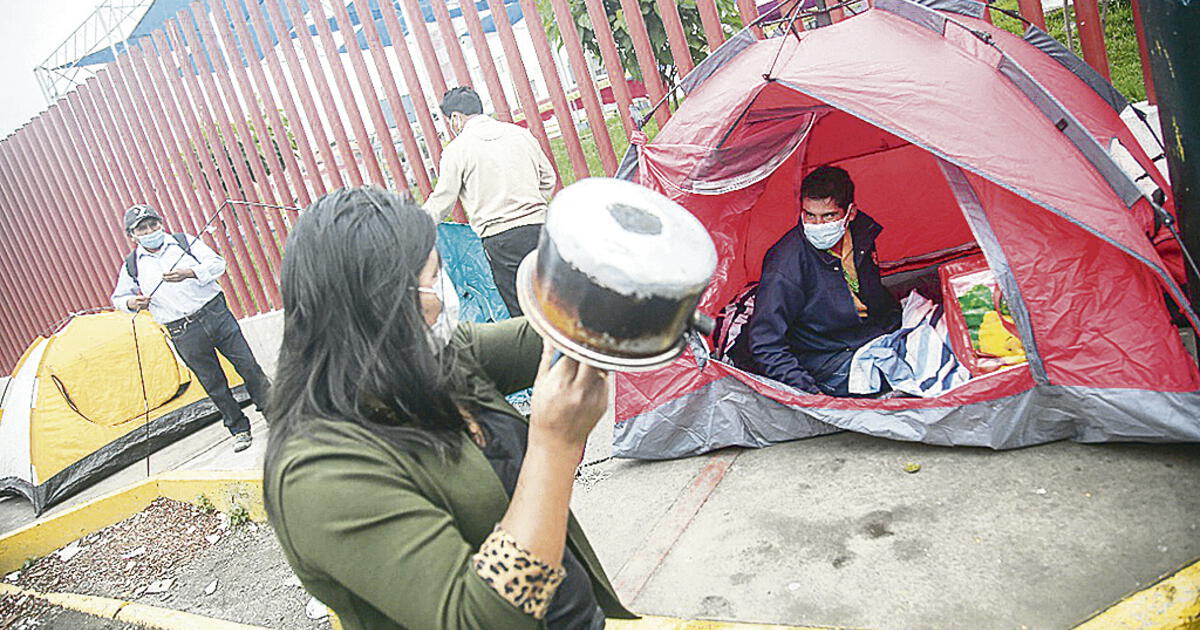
x,y
88,401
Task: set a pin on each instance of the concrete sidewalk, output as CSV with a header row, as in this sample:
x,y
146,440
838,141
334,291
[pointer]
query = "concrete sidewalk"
x,y
834,531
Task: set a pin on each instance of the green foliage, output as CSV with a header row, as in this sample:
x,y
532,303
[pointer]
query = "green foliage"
x,y
689,15
205,504
239,516
1120,40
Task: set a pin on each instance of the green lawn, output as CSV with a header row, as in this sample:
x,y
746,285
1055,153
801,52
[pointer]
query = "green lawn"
x,y
1119,38
620,143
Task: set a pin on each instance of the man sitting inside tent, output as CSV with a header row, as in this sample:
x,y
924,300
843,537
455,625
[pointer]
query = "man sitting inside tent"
x,y
820,297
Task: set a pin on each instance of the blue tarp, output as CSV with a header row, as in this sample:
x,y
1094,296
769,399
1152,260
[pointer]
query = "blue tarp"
x,y
462,252
162,10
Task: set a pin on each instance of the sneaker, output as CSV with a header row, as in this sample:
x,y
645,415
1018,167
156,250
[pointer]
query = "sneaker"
x,y
242,441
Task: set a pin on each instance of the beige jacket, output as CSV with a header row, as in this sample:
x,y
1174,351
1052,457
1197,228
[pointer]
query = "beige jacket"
x,y
500,173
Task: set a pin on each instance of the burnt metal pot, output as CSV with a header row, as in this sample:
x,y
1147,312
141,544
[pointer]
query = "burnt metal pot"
x,y
617,275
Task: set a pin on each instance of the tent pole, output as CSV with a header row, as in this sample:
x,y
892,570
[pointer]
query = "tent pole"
x,y
1170,31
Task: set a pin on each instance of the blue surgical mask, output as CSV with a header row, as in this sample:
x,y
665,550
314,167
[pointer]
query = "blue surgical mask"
x,y
153,240
825,235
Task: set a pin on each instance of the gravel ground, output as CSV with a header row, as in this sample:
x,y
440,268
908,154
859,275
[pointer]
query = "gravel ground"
x,y
172,555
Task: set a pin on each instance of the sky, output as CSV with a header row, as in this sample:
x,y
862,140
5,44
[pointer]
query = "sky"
x,y
29,31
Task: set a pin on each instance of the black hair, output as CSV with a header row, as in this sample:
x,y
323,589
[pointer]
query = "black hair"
x,y
356,348
829,182
461,99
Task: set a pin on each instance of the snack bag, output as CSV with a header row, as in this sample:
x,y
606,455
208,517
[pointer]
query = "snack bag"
x,y
982,331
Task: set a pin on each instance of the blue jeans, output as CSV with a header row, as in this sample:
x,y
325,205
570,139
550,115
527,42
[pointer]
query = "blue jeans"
x,y
197,339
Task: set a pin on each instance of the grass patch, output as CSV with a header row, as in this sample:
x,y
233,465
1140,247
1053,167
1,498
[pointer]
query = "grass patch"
x,y
616,131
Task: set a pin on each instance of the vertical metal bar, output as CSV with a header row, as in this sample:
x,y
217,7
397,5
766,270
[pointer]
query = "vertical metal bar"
x,y
191,145
450,40
305,93
90,115
1144,53
38,230
225,144
675,36
174,208
21,258
484,53
206,142
237,123
109,247
416,24
295,128
95,169
132,154
278,160
516,67
645,56
49,217
321,84
433,143
1091,36
412,149
338,69
710,17
562,109
612,64
749,12
1032,10
583,80
70,210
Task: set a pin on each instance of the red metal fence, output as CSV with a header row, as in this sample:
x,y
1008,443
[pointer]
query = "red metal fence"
x,y
193,117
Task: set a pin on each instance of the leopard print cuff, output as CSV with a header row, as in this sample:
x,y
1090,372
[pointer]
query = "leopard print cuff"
x,y
523,580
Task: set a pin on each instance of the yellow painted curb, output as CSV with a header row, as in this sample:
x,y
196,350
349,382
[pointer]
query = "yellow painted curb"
x,y
225,490
1171,603
130,612
669,623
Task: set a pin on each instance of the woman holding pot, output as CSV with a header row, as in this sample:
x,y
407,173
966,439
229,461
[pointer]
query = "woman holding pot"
x,y
405,491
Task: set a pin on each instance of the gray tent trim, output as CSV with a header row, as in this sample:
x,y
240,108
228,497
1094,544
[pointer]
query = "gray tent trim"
x,y
969,8
724,53
727,412
1047,44
998,261
119,453
914,13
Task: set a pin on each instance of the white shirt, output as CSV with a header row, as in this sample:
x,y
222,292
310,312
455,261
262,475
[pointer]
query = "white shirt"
x,y
170,301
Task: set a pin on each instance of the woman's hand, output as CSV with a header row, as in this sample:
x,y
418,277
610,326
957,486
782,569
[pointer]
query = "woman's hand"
x,y
568,399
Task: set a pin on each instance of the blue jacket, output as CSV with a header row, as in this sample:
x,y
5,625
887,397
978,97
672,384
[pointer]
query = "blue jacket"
x,y
805,327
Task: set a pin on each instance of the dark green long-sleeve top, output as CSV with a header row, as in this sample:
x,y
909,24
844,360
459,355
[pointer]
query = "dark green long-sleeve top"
x,y
385,537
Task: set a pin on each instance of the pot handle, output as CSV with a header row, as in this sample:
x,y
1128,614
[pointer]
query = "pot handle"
x,y
703,324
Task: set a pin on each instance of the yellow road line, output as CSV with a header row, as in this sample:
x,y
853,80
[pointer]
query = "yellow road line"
x,y
670,623
130,612
1171,603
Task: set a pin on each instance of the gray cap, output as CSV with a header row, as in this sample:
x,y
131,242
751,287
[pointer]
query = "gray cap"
x,y
136,214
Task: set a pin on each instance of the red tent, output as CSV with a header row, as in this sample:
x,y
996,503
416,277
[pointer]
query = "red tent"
x,y
960,137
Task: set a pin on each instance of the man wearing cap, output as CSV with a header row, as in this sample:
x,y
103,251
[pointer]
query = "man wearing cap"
x,y
175,277
504,180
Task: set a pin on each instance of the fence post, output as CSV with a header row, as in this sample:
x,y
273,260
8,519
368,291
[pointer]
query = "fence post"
x,y
711,19
483,53
680,51
645,56
612,64
1032,10
583,81
1091,36
1143,52
562,109
450,40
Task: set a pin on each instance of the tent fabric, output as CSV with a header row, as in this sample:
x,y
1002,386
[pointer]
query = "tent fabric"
x,y
463,255
76,410
961,138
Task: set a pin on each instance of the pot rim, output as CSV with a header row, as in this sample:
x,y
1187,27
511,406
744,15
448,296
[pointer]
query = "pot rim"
x,y
533,312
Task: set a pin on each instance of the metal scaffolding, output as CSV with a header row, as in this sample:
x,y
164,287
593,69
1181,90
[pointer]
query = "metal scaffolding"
x,y
107,27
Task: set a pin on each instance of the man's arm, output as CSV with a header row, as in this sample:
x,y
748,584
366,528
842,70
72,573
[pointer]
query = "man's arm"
x,y
209,264
449,185
545,170
126,291
775,306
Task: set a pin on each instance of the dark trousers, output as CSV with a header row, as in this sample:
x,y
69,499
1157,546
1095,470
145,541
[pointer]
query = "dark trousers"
x,y
198,337
505,251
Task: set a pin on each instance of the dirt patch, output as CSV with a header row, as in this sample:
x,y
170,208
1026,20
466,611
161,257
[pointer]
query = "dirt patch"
x,y
172,555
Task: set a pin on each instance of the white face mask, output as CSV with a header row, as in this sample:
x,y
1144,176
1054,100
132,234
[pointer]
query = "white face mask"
x,y
447,320
825,235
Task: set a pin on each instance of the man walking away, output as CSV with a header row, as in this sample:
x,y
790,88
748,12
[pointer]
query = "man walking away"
x,y
175,277
504,180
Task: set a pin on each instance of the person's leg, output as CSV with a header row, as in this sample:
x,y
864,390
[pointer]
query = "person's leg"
x,y
229,340
505,251
196,349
